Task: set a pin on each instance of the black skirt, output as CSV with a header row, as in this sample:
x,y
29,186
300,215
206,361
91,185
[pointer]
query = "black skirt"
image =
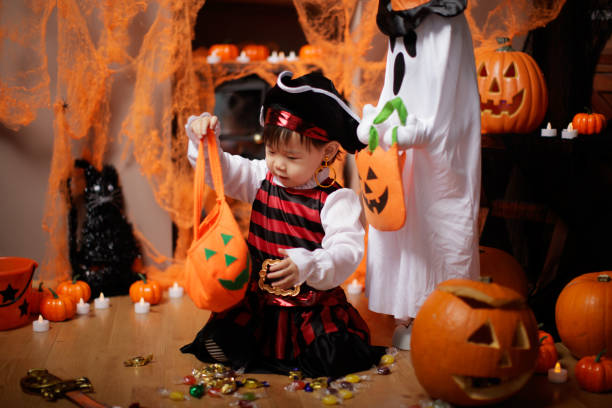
x,y
323,336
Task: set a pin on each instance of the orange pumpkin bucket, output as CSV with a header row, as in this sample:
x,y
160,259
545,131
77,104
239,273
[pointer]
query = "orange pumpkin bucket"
x,y
380,175
15,281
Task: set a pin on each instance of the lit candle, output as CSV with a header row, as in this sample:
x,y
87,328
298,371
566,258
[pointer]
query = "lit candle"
x,y
549,131
175,291
82,307
557,374
273,58
40,325
292,56
569,133
213,58
243,58
354,288
101,302
142,306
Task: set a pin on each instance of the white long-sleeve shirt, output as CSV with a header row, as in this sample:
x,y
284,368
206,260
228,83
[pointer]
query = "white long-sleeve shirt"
x,y
342,247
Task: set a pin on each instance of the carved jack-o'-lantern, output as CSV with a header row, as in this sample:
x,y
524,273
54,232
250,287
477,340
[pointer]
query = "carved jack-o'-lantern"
x,y
474,343
382,192
513,94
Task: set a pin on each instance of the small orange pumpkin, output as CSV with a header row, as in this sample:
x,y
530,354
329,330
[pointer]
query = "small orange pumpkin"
x,y
582,314
547,356
57,307
589,123
310,52
545,338
256,52
36,296
513,93
147,289
594,373
76,289
226,52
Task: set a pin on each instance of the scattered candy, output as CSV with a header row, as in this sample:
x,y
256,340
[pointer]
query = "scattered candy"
x,y
249,396
251,383
177,396
138,361
345,385
196,391
352,378
246,404
345,394
189,380
214,392
295,374
387,359
228,388
330,400
383,370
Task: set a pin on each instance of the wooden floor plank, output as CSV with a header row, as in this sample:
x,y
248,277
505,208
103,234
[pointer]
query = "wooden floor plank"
x,y
96,345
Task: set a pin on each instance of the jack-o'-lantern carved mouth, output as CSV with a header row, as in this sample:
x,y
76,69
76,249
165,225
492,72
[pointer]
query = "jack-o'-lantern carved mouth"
x,y
376,205
503,107
489,388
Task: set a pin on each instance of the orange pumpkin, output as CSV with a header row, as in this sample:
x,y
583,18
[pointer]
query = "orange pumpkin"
x,y
147,289
256,52
513,94
492,335
35,297
310,52
547,356
503,269
545,338
57,307
76,289
589,123
594,373
583,316
226,52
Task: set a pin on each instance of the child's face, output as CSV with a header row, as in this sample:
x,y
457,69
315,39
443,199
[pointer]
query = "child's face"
x,y
293,163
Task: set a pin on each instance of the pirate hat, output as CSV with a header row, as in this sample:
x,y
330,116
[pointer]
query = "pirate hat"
x,y
312,106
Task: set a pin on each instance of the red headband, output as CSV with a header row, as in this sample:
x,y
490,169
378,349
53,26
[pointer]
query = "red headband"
x,y
290,121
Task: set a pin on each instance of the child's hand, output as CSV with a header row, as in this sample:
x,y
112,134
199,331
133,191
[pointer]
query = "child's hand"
x,y
200,126
284,273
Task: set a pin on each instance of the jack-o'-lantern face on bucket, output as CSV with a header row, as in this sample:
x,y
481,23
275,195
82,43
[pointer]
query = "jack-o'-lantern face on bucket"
x,y
492,335
513,94
381,187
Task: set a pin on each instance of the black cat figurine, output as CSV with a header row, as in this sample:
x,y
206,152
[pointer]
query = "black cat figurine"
x,y
107,256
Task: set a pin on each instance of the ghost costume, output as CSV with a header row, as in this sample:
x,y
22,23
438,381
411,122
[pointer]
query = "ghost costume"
x,y
430,66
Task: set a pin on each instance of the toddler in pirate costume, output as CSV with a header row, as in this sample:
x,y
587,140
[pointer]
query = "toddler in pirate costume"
x,y
303,218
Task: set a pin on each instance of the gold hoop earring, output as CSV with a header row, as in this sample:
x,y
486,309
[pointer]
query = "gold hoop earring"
x,y
320,169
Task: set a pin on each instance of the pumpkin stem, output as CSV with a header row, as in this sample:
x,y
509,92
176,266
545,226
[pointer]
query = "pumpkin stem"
x,y
40,287
143,277
486,279
506,44
588,110
542,339
53,293
598,357
75,278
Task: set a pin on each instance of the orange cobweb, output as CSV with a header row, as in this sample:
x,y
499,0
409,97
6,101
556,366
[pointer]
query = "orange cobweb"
x,y
102,45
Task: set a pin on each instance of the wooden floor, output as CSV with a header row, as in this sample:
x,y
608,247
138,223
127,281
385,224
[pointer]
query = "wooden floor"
x,y
96,345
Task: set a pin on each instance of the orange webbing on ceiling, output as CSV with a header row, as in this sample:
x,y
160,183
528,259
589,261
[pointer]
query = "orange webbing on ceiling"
x,y
99,41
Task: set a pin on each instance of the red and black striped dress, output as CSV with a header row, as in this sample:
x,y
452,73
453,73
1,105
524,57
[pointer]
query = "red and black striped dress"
x,y
318,332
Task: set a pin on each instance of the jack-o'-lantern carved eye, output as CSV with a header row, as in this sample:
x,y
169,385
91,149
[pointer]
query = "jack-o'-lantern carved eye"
x,y
521,339
482,71
510,71
484,335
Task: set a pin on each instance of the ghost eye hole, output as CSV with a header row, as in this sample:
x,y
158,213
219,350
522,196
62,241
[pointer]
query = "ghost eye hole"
x,y
484,335
96,187
482,71
110,187
510,71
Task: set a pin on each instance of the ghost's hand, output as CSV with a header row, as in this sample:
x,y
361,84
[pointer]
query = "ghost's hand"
x,y
363,130
412,134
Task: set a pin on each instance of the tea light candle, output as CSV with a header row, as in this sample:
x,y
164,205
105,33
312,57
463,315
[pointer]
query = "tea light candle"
x,y
354,287
549,131
292,57
175,291
82,307
569,133
273,58
141,306
40,325
243,58
557,374
213,58
102,302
